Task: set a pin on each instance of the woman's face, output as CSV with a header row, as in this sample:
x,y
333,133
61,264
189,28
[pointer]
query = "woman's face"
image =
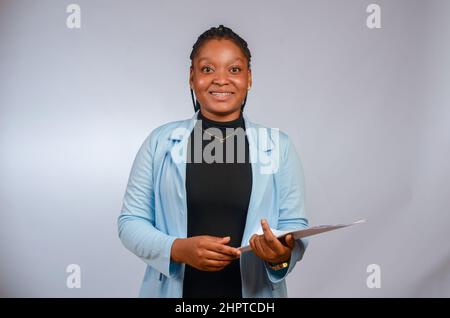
x,y
220,78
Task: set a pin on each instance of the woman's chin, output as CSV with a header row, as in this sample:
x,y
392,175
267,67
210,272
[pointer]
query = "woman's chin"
x,y
221,108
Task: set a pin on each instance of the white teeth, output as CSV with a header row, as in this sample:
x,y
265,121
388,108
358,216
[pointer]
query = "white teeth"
x,y
220,94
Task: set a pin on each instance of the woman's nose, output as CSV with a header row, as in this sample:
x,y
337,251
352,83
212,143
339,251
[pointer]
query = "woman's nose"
x,y
221,78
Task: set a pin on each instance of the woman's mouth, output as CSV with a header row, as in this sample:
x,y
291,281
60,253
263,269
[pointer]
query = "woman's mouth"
x,y
221,96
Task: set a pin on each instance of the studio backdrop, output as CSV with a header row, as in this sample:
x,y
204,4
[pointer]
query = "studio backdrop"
x,y
361,87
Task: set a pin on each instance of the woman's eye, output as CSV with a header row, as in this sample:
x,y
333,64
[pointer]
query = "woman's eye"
x,y
235,69
206,69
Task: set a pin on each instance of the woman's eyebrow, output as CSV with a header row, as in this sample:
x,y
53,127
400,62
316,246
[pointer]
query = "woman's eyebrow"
x,y
203,58
239,59
207,59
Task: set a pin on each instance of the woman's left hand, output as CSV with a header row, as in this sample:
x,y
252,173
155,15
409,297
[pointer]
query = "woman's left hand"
x,y
268,247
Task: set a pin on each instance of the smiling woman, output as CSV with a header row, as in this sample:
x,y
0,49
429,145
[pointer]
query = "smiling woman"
x,y
187,220
220,74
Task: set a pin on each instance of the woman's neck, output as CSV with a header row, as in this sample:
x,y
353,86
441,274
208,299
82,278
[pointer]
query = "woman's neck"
x,y
221,118
207,122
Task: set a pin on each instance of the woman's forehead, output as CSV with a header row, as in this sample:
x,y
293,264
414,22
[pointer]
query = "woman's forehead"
x,y
215,49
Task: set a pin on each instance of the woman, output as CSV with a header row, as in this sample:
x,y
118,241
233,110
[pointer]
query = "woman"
x,y
200,188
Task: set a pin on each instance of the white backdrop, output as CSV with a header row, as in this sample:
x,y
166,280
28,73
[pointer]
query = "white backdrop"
x,y
368,110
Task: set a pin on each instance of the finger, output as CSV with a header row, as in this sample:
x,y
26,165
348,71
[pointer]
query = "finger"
x,y
270,239
263,253
256,244
211,255
224,249
269,250
253,245
225,240
212,269
214,243
218,239
290,241
250,242
215,263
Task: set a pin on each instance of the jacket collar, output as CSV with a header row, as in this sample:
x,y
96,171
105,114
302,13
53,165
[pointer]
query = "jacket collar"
x,y
189,124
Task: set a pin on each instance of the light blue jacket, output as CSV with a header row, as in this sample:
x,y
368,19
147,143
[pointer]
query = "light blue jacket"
x,y
154,211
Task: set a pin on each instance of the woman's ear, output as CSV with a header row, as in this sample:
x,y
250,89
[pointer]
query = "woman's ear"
x,y
250,79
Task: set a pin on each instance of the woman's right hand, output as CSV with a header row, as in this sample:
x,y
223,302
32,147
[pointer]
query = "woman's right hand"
x,y
205,253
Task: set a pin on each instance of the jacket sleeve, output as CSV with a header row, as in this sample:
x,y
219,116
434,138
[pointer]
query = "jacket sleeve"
x,y
292,206
137,217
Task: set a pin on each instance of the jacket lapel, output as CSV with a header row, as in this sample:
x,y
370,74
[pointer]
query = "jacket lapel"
x,y
177,151
259,148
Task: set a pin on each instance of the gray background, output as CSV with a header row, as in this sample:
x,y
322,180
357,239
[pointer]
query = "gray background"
x,y
368,111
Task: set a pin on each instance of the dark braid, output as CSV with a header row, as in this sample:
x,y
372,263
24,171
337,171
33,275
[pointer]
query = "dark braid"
x,y
220,32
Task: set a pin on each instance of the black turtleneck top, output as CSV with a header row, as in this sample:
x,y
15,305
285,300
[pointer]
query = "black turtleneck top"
x,y
218,195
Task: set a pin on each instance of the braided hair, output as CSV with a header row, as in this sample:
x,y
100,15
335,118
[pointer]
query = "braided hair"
x,y
220,32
